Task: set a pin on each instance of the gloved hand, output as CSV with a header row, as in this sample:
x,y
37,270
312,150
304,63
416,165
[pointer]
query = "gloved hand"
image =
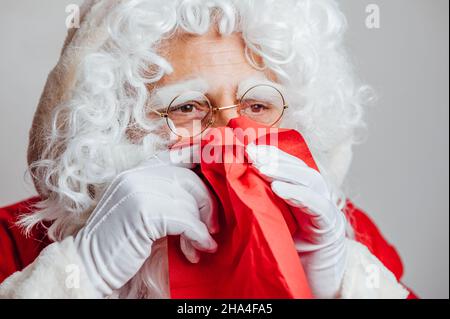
x,y
320,240
142,205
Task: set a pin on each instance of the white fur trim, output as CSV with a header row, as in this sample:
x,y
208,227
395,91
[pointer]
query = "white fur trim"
x,y
56,273
367,278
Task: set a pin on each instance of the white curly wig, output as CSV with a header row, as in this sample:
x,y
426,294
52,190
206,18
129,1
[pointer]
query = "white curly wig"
x,y
97,94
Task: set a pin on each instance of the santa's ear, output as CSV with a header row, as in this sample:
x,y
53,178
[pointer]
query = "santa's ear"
x,y
79,42
84,9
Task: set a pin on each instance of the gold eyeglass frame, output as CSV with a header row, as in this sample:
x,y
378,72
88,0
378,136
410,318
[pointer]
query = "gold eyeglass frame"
x,y
214,110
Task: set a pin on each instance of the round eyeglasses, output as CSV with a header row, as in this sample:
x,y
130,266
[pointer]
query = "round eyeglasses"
x,y
191,113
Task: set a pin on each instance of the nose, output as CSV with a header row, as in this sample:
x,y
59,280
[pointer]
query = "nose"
x,y
221,99
222,117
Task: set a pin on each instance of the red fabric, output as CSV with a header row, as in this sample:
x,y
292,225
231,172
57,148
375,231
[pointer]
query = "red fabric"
x,y
256,257
17,251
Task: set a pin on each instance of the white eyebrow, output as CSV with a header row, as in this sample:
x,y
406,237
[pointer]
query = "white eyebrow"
x,y
253,81
163,96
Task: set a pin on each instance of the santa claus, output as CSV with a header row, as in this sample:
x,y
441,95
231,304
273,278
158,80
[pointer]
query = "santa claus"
x,y
109,191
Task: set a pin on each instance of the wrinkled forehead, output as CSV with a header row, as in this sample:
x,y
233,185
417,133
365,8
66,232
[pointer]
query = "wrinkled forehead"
x,y
212,64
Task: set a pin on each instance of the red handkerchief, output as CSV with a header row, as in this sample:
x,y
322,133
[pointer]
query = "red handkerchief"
x,y
256,257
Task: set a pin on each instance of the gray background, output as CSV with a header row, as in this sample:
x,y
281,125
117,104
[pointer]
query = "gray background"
x,y
400,174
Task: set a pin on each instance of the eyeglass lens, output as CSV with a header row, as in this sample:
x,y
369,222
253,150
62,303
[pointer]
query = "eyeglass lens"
x,y
191,113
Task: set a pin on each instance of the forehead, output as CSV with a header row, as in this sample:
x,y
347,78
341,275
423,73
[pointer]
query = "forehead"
x,y
220,60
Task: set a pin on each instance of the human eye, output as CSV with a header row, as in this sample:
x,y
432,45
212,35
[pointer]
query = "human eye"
x,y
189,107
184,108
255,107
191,110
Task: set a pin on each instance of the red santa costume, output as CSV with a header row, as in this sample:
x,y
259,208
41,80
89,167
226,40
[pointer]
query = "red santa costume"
x,y
18,252
98,65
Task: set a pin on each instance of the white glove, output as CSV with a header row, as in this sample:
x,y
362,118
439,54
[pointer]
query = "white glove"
x,y
320,241
141,206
